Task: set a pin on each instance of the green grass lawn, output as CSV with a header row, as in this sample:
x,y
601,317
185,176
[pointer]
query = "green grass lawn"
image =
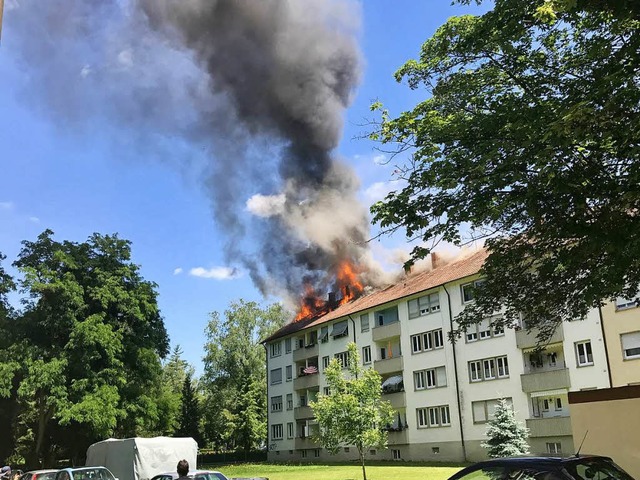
x,y
375,471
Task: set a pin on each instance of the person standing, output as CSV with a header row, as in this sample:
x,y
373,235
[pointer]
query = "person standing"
x,y
183,469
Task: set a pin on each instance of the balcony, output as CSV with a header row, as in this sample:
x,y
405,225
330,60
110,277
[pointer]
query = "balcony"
x,y
306,381
399,438
545,380
389,365
306,352
301,413
529,340
398,399
549,427
305,443
386,331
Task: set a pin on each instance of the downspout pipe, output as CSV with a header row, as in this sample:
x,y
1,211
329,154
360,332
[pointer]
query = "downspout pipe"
x,y
606,348
354,328
455,371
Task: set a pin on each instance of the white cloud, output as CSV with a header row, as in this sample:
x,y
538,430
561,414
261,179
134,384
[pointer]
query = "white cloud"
x,y
217,273
379,190
86,71
266,205
125,58
177,271
380,159
6,205
34,219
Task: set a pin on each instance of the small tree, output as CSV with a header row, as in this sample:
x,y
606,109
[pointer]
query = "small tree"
x,y
352,413
506,436
189,418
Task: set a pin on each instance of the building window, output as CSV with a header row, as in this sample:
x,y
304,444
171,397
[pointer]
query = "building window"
x,y
289,373
630,345
433,416
623,303
276,349
484,410
276,432
276,403
346,449
343,358
424,305
324,334
312,338
554,447
303,453
289,401
366,355
290,430
340,329
276,376
483,331
558,403
325,362
488,369
316,452
584,353
364,322
396,454
430,378
426,341
326,391
287,345
435,450
468,290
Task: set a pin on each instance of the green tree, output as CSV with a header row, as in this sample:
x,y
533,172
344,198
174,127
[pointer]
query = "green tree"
x,y
8,364
189,418
88,340
506,437
233,380
352,413
174,372
527,138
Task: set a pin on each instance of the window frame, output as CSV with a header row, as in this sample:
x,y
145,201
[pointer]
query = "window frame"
x,y
426,341
366,355
288,373
362,324
274,431
634,346
584,344
429,306
495,364
275,352
473,284
287,345
271,381
276,405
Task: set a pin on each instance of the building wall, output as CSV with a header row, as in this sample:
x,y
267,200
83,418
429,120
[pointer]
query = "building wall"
x,y
444,443
611,422
617,322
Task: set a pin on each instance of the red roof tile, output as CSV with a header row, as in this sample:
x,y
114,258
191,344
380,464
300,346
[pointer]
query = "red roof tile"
x,y
414,284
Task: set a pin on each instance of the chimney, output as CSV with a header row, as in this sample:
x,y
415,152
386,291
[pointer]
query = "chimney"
x,y
332,299
434,260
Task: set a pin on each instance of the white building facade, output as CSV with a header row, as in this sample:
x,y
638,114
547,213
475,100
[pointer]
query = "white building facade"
x,y
447,390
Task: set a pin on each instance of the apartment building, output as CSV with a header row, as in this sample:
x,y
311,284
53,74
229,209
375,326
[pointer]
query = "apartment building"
x,y
443,393
621,320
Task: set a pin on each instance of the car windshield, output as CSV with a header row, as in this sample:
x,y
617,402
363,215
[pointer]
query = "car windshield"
x,y
596,469
93,474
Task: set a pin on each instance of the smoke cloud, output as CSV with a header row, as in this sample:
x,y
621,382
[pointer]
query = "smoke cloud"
x,y
260,86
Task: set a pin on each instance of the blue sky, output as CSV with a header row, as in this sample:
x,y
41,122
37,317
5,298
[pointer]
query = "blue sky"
x,y
76,185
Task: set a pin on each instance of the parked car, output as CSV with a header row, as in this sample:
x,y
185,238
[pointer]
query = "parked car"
x,y
196,475
583,467
39,475
85,473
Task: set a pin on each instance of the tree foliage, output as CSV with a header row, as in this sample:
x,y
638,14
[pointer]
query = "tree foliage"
x,y
234,380
87,341
352,413
528,139
506,437
189,418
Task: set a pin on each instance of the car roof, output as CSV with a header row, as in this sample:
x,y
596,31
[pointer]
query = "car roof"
x,y
522,462
50,470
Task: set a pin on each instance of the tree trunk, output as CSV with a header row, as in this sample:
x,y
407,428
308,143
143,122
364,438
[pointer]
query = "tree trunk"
x,y
364,472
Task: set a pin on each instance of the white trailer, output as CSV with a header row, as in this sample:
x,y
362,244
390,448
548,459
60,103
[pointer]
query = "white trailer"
x,y
142,458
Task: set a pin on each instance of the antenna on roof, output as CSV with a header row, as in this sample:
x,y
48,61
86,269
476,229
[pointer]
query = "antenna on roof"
x,y
582,443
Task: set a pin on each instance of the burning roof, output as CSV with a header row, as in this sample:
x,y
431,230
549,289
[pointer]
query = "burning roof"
x,y
411,285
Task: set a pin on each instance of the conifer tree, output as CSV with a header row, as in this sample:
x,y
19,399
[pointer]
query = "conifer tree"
x,y
506,436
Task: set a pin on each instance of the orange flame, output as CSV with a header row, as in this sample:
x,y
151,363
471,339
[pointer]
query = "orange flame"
x,y
346,279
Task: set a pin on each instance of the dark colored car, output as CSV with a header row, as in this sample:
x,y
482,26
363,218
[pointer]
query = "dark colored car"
x,y
583,467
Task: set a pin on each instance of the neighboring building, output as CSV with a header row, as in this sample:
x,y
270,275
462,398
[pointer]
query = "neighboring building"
x,y
443,393
621,321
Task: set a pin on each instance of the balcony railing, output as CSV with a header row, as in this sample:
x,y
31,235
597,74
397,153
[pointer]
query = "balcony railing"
x,y
305,443
545,380
549,427
305,352
306,381
529,340
398,438
300,413
397,399
389,365
384,332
